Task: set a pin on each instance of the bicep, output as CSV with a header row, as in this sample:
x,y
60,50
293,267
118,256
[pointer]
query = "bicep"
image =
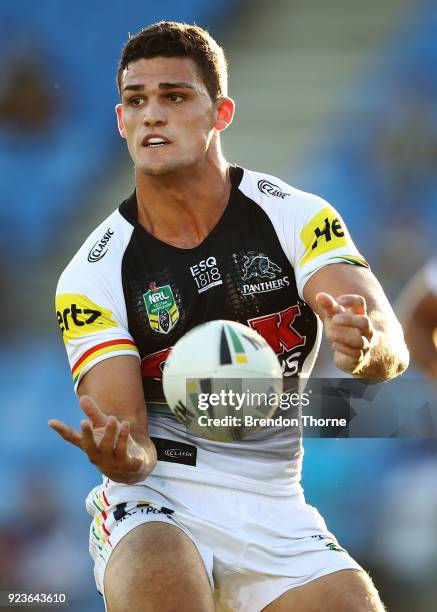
x,y
346,279
116,385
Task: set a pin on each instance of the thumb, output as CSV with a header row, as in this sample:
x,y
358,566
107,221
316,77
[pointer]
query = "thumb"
x,y
93,412
328,306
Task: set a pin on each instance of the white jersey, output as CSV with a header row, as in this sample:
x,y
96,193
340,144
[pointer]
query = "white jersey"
x,y
127,293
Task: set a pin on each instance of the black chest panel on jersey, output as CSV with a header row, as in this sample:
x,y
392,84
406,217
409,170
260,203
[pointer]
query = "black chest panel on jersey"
x,y
239,272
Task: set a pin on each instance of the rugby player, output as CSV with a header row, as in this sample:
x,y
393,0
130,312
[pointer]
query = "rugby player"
x,y
418,307
182,523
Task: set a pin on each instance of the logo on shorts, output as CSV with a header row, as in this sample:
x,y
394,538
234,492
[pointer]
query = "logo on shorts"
x,y
175,452
332,544
124,510
99,248
161,308
271,189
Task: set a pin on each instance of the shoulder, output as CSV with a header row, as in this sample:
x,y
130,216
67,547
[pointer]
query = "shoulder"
x,y
100,253
277,197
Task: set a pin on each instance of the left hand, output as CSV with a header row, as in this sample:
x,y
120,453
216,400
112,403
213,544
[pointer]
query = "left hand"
x,y
348,329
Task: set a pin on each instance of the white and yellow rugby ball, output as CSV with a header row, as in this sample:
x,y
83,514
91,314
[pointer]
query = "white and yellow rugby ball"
x,y
220,378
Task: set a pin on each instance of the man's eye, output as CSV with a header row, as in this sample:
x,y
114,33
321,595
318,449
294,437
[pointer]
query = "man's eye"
x,y
135,101
174,97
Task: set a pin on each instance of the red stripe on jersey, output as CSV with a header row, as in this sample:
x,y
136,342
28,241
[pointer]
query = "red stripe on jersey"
x,y
97,347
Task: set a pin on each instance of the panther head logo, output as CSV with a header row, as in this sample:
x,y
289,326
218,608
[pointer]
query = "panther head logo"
x,y
259,265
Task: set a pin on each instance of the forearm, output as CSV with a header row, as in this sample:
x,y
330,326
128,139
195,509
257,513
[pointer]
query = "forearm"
x,y
115,384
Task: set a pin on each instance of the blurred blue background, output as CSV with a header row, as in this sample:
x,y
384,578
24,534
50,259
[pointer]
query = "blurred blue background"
x,y
336,98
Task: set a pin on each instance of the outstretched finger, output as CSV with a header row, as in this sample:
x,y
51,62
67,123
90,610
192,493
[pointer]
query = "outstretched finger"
x,y
65,431
345,362
356,303
107,443
88,442
361,322
123,437
328,304
93,412
345,349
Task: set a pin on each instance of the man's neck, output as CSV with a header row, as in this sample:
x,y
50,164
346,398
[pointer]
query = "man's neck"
x,y
182,209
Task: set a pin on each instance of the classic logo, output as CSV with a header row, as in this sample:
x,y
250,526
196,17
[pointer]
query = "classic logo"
x,y
99,248
206,274
260,266
322,234
161,308
271,189
175,452
78,316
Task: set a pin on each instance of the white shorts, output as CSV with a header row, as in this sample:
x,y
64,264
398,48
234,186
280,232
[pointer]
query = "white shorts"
x,y
254,547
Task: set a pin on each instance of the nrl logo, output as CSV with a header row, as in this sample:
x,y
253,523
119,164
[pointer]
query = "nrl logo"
x,y
161,308
271,189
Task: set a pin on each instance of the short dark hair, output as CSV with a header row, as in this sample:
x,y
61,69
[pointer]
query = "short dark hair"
x,y
173,39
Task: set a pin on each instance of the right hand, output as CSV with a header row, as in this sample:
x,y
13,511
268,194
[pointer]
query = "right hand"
x,y
108,443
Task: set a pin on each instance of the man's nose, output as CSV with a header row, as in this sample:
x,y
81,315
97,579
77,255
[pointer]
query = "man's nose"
x,y
154,113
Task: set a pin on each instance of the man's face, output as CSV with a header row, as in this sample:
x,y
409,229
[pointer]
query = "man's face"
x,y
166,114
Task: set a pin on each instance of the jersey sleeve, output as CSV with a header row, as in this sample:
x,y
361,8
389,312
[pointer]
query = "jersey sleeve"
x,y
320,238
91,313
311,232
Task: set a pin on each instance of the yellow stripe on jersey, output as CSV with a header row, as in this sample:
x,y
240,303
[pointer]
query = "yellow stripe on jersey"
x,y
103,348
323,233
79,316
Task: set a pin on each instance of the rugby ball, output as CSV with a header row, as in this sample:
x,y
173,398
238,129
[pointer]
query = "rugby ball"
x,y
221,380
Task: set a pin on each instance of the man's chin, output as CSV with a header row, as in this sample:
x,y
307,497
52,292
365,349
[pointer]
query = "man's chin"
x,y
158,170
154,171
164,168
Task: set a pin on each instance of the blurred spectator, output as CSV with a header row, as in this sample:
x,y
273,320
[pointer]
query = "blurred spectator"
x,y
401,157
405,542
406,150
418,310
26,102
51,552
9,556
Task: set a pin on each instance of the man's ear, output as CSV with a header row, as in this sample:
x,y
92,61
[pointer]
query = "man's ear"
x,y
224,113
120,122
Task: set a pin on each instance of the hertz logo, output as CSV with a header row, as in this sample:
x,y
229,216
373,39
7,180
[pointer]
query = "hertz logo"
x,y
78,316
323,233
327,232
